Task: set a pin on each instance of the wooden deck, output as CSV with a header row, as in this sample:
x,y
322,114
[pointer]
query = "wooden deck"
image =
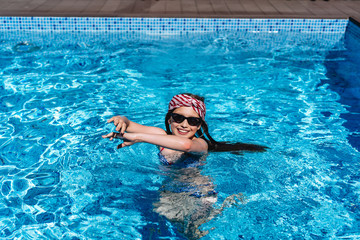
x,y
184,8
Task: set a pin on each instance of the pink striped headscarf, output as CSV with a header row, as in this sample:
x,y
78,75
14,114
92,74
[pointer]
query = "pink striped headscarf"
x,y
183,100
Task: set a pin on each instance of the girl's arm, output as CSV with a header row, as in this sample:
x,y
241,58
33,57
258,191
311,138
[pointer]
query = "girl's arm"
x,y
166,141
123,124
169,141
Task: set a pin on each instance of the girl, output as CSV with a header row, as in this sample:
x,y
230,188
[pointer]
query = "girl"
x,y
185,129
187,197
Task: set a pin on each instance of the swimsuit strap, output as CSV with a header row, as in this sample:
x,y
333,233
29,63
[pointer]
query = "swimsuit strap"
x,y
161,149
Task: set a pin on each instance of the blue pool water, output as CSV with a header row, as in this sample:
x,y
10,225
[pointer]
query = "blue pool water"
x,y
297,93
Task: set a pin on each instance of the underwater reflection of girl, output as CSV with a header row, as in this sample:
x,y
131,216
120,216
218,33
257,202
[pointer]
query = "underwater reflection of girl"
x,y
187,197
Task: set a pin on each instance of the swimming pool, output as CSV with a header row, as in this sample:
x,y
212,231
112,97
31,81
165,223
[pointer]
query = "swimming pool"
x,y
292,85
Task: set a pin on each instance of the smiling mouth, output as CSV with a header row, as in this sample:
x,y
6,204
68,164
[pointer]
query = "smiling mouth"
x,y
181,131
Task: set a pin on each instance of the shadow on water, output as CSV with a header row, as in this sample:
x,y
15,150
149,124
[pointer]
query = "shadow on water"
x,y
343,77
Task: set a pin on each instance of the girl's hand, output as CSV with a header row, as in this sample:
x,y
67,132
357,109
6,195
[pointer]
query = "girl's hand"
x,y
125,144
113,135
120,122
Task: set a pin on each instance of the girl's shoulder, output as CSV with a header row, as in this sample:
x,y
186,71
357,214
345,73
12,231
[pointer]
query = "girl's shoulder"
x,y
203,142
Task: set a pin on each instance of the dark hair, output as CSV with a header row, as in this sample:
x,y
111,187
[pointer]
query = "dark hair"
x,y
215,146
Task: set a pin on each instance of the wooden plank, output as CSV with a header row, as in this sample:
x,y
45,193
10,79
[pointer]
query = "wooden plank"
x,y
141,6
204,7
322,9
79,5
158,7
282,8
220,7
184,8
251,7
172,6
125,6
45,6
63,6
235,7
188,6
298,8
10,6
31,5
93,6
110,6
348,8
266,7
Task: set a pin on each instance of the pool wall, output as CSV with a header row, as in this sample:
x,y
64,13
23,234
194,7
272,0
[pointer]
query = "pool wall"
x,y
347,83
171,25
353,30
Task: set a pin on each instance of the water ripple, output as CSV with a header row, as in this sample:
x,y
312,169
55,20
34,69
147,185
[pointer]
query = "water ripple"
x,y
61,180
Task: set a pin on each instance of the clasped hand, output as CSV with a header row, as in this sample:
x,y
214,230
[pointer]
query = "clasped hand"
x,y
120,126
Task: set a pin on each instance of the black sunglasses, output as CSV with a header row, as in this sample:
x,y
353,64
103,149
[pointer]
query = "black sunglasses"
x,y
193,121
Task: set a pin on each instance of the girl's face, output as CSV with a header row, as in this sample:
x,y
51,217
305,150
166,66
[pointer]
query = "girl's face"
x,y
184,129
